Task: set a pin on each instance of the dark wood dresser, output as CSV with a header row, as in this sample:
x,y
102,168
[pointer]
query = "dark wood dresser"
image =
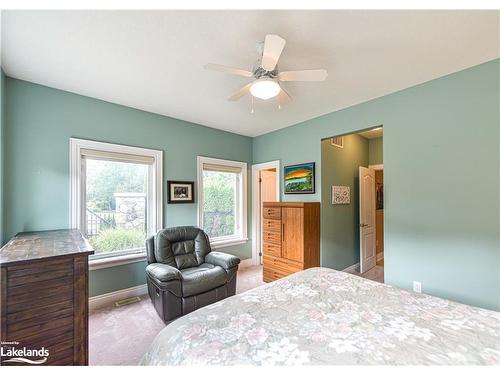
x,y
44,297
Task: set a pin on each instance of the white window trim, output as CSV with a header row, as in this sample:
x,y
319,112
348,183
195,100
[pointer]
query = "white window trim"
x,y
76,146
235,240
113,261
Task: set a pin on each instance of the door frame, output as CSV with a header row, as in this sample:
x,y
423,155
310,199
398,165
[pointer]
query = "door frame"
x,y
256,214
377,167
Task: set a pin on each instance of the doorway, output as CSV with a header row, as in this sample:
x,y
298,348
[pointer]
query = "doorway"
x,y
352,203
265,188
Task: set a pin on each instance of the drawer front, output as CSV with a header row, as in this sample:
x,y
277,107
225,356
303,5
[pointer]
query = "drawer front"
x,y
272,212
283,264
274,237
272,273
40,307
272,225
28,292
271,249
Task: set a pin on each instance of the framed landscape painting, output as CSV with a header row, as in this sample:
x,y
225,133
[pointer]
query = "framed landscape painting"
x,y
299,178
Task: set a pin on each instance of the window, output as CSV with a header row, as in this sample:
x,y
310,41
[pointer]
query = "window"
x,y
116,196
222,200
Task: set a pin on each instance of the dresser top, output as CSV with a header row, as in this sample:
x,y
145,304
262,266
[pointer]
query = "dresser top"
x,y
290,204
30,246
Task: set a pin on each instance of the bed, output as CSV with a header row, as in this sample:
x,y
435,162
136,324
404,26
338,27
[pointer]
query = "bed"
x,y
324,317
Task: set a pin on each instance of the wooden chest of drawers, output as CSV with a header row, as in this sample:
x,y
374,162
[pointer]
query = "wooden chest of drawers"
x,y
290,238
44,296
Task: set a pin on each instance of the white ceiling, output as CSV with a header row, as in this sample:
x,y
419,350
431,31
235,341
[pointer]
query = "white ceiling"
x,y
153,60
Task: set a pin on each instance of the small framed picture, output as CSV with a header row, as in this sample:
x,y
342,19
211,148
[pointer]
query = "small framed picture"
x,y
180,191
299,178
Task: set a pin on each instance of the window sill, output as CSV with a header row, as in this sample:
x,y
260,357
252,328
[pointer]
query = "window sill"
x,y
232,242
97,264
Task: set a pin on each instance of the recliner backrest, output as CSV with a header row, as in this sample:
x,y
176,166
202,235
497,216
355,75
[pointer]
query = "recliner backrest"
x,y
179,247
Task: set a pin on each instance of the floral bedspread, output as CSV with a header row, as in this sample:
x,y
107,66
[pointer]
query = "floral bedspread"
x,y
326,317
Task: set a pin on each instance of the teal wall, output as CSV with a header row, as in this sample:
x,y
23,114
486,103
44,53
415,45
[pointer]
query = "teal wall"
x,y
340,223
39,123
441,172
375,149
441,179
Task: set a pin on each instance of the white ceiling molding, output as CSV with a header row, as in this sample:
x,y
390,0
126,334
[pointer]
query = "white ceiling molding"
x,y
153,60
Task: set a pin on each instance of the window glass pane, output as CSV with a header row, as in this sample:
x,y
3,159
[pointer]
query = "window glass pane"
x,y
115,205
219,206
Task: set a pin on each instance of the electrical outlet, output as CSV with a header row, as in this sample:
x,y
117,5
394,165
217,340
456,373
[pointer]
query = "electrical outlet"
x,y
417,286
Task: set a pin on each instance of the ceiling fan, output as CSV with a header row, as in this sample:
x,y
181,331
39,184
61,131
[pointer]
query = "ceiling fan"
x,y
267,77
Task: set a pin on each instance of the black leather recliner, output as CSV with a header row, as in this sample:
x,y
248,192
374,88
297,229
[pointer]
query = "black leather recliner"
x,y
183,274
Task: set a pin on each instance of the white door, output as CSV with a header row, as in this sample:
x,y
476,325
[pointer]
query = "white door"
x,y
367,244
267,183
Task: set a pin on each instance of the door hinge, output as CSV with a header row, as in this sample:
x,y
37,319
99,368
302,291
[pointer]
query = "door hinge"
x,y
260,254
260,179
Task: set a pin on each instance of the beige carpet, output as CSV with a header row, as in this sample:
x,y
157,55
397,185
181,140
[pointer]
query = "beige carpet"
x,y
121,335
375,274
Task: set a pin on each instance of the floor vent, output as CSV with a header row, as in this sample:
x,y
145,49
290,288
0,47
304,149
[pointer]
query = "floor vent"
x,y
127,301
337,142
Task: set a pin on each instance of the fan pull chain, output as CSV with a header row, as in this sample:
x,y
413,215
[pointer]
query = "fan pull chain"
x,y
252,111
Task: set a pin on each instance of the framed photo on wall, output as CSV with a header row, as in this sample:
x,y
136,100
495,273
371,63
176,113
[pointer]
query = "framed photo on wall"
x,y
180,191
299,178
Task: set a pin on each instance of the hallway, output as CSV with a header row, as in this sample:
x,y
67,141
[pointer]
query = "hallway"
x,y
375,274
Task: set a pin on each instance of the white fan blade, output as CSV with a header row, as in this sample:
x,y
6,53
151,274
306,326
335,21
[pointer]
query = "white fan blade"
x,y
273,46
243,91
228,69
283,98
303,75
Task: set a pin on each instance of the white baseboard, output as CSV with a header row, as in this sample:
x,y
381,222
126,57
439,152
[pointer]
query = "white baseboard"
x,y
353,268
108,299
245,263
380,256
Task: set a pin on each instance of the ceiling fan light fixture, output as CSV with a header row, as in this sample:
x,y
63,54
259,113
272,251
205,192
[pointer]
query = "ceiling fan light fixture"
x,y
265,88
268,78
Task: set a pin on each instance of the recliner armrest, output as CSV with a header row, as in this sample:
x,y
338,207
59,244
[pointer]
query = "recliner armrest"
x,y
163,272
223,260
